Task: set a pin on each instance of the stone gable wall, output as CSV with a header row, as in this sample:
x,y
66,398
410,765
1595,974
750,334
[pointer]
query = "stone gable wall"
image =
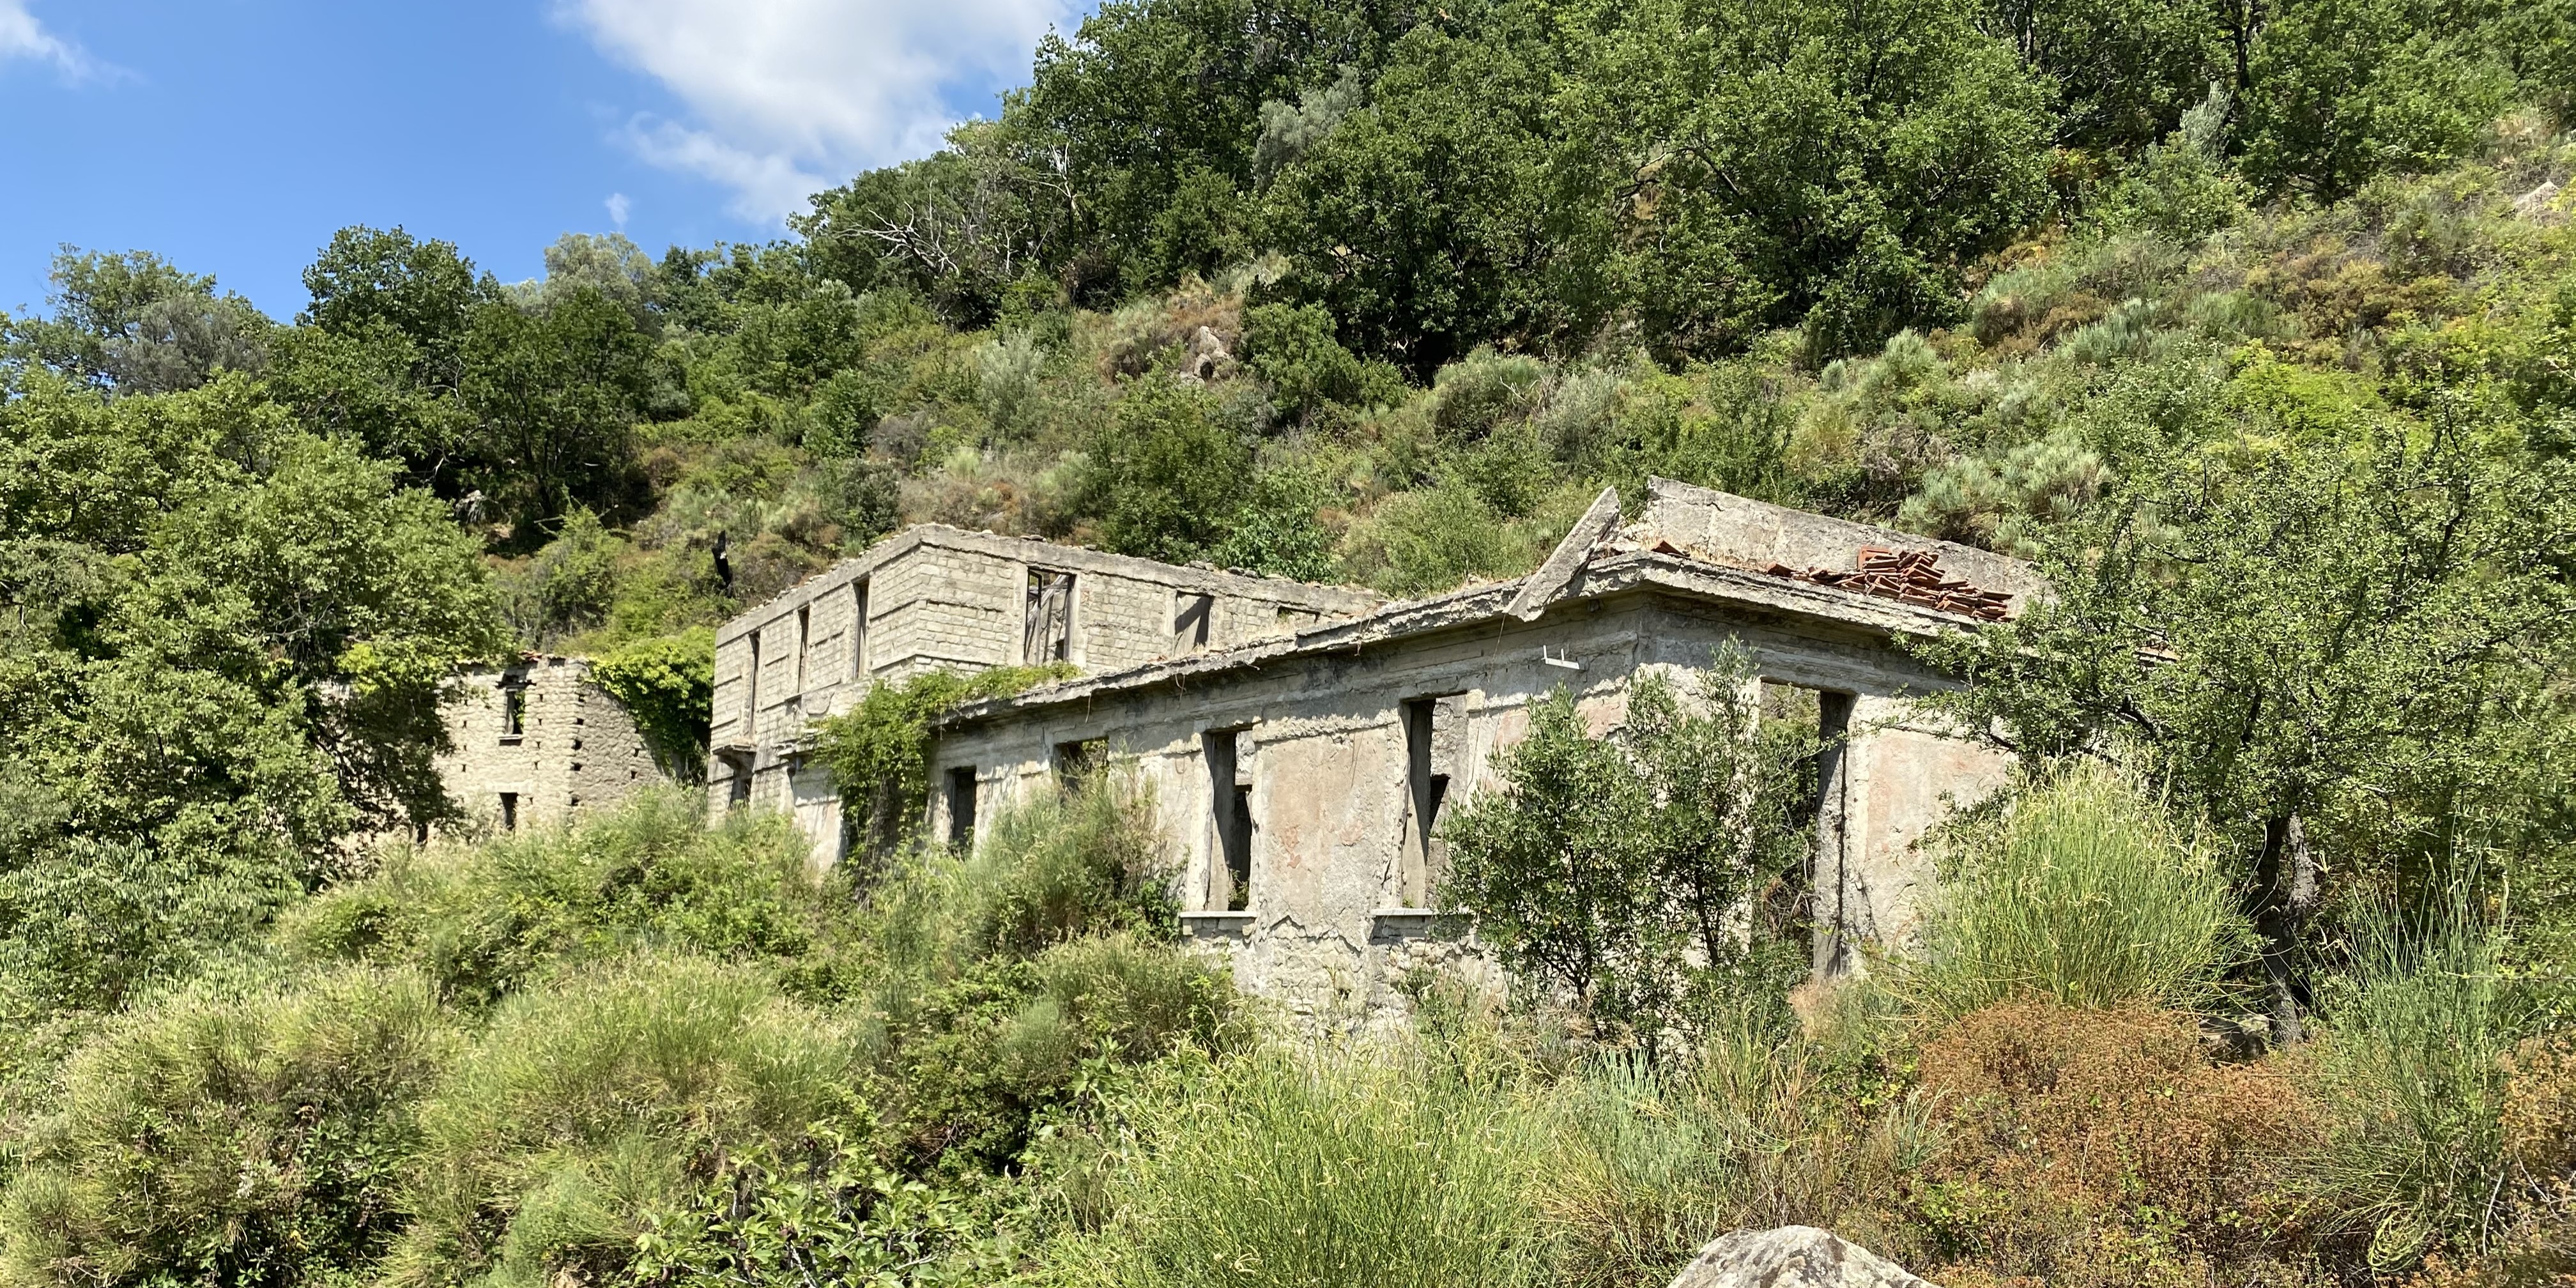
x,y
578,749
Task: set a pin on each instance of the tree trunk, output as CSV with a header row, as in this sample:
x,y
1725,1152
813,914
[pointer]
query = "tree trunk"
x,y
2285,880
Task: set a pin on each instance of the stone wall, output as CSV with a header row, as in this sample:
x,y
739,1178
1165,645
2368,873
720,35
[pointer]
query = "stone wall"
x,y
576,748
938,597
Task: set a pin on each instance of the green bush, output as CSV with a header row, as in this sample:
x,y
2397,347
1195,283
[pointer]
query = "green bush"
x,y
878,751
218,1140
2083,893
1052,868
1365,1167
585,1107
1617,869
668,685
488,919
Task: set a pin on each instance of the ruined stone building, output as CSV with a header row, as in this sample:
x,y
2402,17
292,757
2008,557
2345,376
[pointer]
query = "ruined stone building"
x,y
1303,742
536,742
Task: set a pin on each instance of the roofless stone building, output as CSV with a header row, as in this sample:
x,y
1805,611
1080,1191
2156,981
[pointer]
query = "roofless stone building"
x,y
1304,741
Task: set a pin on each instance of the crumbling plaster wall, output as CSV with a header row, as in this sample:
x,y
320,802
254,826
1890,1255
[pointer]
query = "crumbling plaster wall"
x,y
577,748
1325,932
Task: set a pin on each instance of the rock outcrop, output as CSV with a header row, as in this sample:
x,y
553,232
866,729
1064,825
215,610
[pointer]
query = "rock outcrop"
x,y
1793,1256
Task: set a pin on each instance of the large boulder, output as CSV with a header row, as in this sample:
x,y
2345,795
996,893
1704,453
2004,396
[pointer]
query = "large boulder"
x,y
1793,1256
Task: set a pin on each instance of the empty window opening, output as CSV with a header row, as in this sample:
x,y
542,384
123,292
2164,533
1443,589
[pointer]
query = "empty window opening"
x,y
858,629
1047,635
509,811
1229,820
514,706
1813,893
1435,733
1078,763
751,691
738,787
804,642
1193,620
961,808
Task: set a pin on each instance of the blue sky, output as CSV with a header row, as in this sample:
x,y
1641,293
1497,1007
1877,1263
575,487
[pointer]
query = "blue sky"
x,y
233,136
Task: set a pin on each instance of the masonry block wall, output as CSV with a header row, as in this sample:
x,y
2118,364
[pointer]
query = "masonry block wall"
x,y
573,747
933,597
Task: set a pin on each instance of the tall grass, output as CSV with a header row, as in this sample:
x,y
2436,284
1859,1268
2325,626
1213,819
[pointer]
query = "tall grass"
x,y
2086,894
1289,1169
2413,1055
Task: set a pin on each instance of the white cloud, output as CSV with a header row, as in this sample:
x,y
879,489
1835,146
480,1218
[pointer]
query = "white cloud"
x,y
21,36
792,96
618,207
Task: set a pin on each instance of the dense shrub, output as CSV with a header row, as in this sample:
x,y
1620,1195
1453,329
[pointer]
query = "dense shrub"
x,y
586,1106
486,920
231,1140
2092,1146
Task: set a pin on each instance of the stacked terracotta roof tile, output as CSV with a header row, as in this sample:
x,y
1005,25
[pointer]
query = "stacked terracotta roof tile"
x,y
1913,576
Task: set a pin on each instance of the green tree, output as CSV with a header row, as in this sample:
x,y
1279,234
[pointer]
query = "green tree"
x,y
134,323
2321,634
554,398
1164,477
1619,869
226,641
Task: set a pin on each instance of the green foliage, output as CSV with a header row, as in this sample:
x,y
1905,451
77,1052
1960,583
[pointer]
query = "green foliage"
x,y
488,921
2082,893
878,750
668,684
1617,868
213,1139
1364,1167
2413,1058
580,1108
228,641
1165,477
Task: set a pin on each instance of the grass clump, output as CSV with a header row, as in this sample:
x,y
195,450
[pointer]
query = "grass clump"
x,y
1295,1168
2417,1054
2087,895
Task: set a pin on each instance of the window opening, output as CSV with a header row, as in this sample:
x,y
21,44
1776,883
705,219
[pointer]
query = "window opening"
x,y
961,808
1434,742
514,706
751,692
1815,890
1077,763
1047,635
509,811
1229,820
738,789
804,643
1192,621
858,629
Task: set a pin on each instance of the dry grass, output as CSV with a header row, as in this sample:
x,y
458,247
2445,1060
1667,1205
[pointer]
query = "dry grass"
x,y
2107,1147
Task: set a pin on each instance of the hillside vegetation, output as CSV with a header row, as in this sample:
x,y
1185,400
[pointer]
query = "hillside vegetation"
x,y
2254,324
